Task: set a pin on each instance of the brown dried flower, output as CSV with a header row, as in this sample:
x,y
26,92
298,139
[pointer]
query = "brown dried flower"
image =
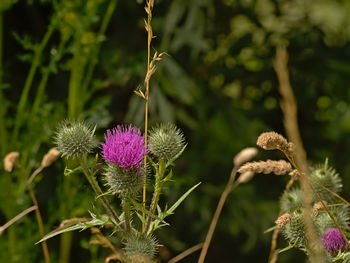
x,y
318,206
10,161
283,220
272,141
51,156
295,174
277,167
244,156
245,177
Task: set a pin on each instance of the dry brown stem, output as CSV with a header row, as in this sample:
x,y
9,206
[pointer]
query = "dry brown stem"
x,y
289,109
103,241
16,218
186,253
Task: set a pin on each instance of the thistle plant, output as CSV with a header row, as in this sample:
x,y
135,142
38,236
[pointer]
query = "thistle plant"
x,y
123,174
329,214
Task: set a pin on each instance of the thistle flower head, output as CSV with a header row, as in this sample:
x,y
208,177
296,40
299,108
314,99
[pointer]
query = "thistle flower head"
x,y
75,139
166,141
333,241
124,146
140,248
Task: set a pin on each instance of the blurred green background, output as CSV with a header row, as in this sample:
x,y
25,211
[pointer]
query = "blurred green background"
x,y
83,59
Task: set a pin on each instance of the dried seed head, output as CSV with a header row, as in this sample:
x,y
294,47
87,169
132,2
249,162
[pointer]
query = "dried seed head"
x,y
272,141
245,177
283,220
10,161
49,158
245,155
295,174
277,167
318,206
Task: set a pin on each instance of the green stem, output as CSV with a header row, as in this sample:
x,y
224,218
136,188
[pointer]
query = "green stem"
x,y
90,177
28,83
65,247
106,19
127,214
157,190
45,76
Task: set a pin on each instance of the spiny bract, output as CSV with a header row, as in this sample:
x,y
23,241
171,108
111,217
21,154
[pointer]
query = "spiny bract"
x,y
75,139
327,177
140,248
125,182
166,141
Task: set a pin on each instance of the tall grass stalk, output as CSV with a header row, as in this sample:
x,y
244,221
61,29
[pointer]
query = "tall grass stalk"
x,y
148,27
106,19
289,109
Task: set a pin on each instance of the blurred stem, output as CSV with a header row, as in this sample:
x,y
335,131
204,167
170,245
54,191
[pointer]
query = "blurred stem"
x,y
126,208
157,190
106,19
90,177
66,238
228,189
3,132
28,83
40,224
290,109
65,247
76,97
45,76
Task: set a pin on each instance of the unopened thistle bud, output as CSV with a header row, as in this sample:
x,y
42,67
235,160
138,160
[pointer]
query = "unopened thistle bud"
x,y
277,167
10,161
291,200
245,155
49,158
327,177
166,141
140,248
294,230
75,139
283,220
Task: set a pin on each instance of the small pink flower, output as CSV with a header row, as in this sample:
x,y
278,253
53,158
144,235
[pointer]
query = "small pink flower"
x,y
124,146
333,241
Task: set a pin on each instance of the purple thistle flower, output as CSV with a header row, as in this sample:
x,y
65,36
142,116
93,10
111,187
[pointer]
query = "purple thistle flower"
x,y
124,146
333,241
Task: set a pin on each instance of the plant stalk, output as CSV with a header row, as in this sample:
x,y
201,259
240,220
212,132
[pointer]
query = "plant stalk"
x,y
28,83
90,177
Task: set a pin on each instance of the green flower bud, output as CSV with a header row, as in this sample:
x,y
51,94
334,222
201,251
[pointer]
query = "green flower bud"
x,y
166,141
294,230
140,248
125,182
291,200
75,139
341,215
329,178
